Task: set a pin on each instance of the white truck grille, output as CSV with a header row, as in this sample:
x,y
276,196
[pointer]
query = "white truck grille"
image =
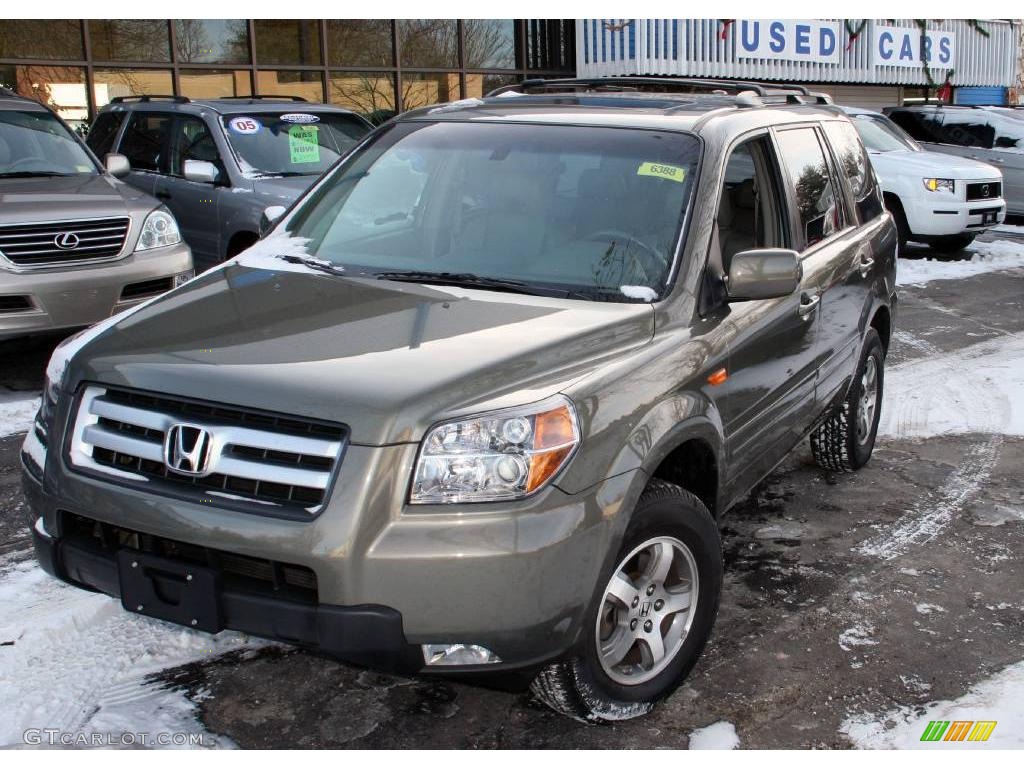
x,y
222,454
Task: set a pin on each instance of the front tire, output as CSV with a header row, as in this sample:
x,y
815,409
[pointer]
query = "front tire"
x,y
649,623
843,442
950,244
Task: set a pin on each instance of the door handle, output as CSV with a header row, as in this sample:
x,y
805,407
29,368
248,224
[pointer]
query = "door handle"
x,y
163,194
866,263
808,303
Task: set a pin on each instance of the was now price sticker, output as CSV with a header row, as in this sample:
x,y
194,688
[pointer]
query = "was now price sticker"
x,y
304,144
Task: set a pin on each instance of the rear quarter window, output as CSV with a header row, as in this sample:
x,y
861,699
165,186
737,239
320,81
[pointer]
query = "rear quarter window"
x,y
855,169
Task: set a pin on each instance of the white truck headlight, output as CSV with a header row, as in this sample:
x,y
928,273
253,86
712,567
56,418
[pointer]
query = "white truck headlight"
x,y
939,185
507,454
158,230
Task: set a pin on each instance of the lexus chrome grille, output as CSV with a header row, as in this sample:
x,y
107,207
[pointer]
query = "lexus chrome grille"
x,y
63,243
217,453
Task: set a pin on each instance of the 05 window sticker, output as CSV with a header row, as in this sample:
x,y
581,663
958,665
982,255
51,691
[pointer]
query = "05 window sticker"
x,y
244,125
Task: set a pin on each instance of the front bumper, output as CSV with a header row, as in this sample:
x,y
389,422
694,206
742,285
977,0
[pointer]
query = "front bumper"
x,y
45,300
514,579
929,217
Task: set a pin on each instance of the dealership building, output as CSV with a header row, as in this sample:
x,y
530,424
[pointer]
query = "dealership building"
x,y
380,66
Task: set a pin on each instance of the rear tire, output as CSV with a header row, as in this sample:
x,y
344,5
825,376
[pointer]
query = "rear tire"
x,y
951,244
672,535
843,442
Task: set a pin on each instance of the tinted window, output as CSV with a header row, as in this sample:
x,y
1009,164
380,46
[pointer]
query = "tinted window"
x,y
748,214
920,125
802,155
145,141
568,208
192,141
968,128
855,167
103,132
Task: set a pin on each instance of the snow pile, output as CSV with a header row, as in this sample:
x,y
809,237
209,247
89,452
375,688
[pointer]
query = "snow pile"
x,y
266,253
17,412
720,735
988,257
1000,698
78,662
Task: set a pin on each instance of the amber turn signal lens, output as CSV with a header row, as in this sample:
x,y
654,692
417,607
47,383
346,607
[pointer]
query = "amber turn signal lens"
x,y
553,429
544,465
718,377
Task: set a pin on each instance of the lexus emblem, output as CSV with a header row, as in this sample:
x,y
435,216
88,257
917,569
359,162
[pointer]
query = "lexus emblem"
x,y
984,190
187,450
66,241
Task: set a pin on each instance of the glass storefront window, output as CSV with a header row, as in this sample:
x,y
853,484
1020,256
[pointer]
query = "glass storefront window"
x,y
428,42
60,88
214,83
111,83
290,83
41,39
371,94
422,88
287,41
359,43
479,85
212,41
489,43
129,40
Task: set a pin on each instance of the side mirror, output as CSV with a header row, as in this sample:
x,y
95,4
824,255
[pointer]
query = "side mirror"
x,y
117,165
270,215
201,171
764,273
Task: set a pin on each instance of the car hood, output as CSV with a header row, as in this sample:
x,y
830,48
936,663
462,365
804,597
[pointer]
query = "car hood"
x,y
386,358
931,164
58,198
283,191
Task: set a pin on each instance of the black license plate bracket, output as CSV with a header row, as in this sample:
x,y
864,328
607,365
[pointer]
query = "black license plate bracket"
x,y
182,593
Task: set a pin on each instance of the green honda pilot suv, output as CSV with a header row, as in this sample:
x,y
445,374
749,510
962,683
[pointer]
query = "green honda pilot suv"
x,y
477,402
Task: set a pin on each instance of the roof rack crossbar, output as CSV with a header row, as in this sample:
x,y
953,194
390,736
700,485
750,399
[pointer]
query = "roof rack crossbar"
x,y
150,97
260,97
630,83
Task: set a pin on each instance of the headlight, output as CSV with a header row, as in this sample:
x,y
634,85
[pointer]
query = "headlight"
x,y
502,455
159,229
939,185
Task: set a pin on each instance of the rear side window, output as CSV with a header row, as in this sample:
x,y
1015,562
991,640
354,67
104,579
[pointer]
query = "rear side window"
x,y
810,184
967,129
855,169
103,132
146,141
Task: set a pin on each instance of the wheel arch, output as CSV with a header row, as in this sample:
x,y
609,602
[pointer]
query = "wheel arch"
x,y
881,321
239,241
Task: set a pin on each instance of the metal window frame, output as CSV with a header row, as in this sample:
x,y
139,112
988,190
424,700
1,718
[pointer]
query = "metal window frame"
x,y
253,65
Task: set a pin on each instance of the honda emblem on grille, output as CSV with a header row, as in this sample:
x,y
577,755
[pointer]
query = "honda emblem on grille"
x,y
66,241
187,449
984,190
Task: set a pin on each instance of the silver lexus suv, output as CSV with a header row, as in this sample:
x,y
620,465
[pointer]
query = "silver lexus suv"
x,y
76,244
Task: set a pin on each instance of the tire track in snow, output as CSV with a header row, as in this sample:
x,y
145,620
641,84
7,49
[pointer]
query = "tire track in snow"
x,y
938,394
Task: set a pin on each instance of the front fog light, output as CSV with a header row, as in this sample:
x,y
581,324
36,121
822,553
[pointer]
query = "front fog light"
x,y
503,455
458,655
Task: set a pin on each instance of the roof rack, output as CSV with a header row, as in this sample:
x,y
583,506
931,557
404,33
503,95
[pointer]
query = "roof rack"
x,y
7,92
260,97
150,97
794,94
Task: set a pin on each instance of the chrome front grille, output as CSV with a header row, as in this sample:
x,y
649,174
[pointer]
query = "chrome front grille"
x,y
63,242
263,462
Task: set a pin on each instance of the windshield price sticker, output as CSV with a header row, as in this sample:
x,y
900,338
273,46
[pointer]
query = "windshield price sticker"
x,y
304,144
244,125
299,117
670,172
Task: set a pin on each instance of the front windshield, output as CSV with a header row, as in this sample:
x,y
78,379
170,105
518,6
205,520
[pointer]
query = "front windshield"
x,y
592,211
35,143
880,134
291,143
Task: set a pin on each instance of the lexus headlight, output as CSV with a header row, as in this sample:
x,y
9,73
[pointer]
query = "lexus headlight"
x,y
506,454
159,229
939,185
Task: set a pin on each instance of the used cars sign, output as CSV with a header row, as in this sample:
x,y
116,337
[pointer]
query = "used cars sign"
x,y
902,47
793,40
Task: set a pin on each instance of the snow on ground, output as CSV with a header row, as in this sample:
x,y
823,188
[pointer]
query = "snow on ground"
x,y
999,698
77,662
992,256
16,412
720,735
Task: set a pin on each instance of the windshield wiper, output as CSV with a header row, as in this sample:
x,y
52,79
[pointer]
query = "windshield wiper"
x,y
319,264
30,174
467,279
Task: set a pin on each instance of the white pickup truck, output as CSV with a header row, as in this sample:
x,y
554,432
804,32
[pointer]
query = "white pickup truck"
x,y
941,200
